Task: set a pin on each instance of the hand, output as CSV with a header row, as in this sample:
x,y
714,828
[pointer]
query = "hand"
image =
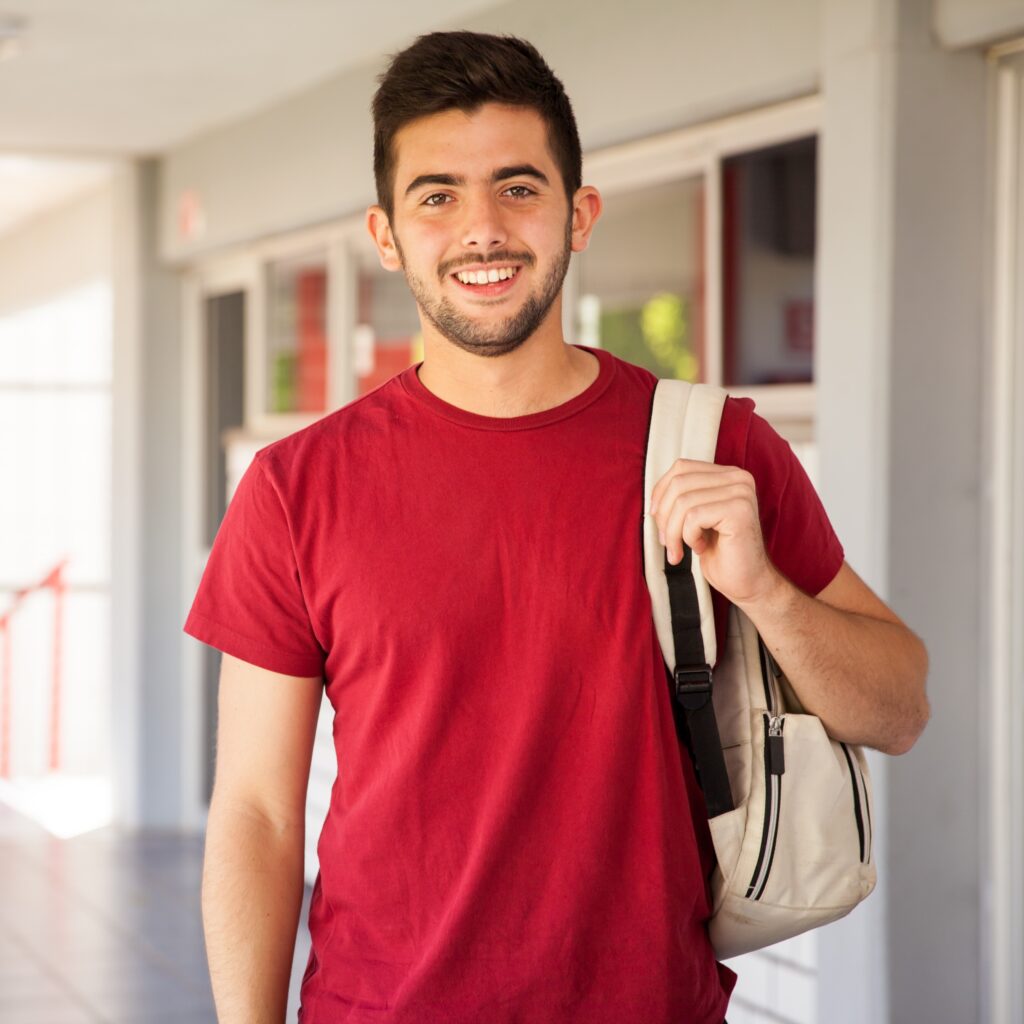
x,y
713,509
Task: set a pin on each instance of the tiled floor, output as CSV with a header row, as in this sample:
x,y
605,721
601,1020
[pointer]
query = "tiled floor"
x,y
105,928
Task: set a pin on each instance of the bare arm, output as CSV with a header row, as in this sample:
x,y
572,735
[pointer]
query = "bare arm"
x,y
253,864
851,660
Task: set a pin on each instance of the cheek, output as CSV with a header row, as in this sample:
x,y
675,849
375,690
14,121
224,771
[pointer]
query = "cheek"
x,y
550,239
429,238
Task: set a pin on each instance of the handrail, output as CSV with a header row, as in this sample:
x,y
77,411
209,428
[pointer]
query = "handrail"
x,y
54,580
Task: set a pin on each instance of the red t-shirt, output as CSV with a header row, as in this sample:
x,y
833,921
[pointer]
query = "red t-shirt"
x,y
512,834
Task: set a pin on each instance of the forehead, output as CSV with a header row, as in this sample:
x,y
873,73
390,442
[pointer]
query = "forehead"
x,y
472,142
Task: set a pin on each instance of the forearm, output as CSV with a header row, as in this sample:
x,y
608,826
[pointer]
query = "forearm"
x,y
862,676
251,900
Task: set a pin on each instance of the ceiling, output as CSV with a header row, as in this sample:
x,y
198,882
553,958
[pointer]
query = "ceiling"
x,y
94,82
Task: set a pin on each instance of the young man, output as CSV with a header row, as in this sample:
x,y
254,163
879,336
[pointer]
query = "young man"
x,y
513,834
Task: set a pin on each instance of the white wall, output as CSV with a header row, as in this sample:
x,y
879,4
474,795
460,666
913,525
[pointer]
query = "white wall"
x,y
976,22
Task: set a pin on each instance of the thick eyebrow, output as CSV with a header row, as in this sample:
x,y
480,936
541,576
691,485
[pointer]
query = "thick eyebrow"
x,y
501,174
519,171
434,179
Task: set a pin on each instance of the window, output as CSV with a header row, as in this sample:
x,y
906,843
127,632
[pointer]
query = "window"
x,y
701,266
768,238
641,280
296,350
386,338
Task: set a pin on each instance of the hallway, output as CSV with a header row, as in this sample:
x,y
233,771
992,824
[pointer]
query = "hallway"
x,y
105,928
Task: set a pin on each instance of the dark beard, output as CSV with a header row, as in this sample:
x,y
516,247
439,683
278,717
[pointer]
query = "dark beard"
x,y
506,336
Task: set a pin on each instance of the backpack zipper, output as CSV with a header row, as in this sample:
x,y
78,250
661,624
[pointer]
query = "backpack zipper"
x,y
769,671
774,767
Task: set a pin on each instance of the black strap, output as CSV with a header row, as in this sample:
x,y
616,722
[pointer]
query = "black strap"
x,y
693,684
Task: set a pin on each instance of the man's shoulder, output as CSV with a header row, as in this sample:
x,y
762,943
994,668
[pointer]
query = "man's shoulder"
x,y
734,431
346,428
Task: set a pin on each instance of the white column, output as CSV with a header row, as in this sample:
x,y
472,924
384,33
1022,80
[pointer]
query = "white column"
x,y
854,268
902,359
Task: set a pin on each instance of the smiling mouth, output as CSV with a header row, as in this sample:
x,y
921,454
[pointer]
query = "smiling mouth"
x,y
489,276
487,282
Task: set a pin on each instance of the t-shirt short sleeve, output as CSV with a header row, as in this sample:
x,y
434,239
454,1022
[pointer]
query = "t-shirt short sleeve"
x,y
250,602
797,530
798,535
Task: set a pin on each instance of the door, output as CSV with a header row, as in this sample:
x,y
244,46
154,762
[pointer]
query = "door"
x,y
218,318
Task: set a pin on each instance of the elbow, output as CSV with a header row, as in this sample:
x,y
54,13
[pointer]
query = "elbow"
x,y
916,717
916,723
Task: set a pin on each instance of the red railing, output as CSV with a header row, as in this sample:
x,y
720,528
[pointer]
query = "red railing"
x,y
54,580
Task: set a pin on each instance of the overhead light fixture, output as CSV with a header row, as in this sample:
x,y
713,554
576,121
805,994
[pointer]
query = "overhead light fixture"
x,y
13,31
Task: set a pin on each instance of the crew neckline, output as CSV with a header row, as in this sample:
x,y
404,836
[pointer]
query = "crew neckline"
x,y
413,386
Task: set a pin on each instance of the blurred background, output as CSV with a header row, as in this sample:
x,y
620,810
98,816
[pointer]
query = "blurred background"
x,y
816,203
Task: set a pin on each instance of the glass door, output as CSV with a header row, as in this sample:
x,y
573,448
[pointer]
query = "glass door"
x,y
218,321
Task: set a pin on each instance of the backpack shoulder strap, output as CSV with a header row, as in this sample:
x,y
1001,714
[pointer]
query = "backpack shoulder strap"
x,y
684,423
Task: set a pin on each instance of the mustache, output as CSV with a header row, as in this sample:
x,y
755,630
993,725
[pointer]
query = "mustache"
x,y
502,258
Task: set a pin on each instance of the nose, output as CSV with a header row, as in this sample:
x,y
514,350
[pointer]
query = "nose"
x,y
483,225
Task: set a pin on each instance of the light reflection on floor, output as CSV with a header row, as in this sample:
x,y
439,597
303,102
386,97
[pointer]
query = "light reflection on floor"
x,y
65,805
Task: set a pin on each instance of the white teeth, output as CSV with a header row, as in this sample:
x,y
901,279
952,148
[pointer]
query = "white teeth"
x,y
485,276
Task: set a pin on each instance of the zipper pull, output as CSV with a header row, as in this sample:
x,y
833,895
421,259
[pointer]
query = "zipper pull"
x,y
776,750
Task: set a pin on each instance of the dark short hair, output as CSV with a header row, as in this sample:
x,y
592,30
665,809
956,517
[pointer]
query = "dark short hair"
x,y
461,71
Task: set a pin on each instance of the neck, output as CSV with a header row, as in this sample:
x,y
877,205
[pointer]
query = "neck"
x,y
543,372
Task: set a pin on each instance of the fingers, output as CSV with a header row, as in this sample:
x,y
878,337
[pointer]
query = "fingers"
x,y
678,467
698,522
696,501
688,474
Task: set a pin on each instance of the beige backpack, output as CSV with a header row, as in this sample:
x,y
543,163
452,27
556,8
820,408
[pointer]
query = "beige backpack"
x,y
789,808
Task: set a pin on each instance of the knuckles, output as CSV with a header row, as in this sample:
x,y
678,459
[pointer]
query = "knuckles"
x,y
674,492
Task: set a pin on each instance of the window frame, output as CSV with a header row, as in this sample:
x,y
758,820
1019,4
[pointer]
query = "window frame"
x,y
695,151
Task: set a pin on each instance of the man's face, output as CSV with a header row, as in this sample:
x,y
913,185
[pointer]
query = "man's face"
x,y
480,194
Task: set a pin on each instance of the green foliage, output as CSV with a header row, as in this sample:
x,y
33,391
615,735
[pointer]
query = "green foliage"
x,y
664,321
282,382
656,336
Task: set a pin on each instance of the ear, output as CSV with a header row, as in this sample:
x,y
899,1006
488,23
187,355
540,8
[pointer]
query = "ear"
x,y
379,226
586,208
